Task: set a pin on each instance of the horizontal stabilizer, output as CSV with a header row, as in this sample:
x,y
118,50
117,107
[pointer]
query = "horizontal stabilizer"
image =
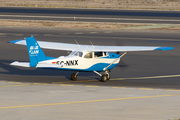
x,y
164,48
21,64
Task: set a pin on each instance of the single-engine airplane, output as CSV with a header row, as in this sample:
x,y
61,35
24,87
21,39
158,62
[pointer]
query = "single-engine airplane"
x,y
90,58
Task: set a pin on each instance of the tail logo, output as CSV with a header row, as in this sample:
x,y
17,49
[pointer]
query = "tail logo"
x,y
34,50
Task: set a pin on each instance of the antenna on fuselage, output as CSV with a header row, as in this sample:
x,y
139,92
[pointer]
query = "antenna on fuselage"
x,y
92,44
77,43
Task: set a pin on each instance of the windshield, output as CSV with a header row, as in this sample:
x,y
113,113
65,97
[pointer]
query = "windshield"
x,y
76,53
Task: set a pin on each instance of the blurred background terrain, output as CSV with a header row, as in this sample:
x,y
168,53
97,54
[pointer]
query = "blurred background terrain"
x,y
106,4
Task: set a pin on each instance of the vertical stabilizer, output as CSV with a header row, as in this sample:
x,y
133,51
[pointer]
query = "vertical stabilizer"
x,y
35,52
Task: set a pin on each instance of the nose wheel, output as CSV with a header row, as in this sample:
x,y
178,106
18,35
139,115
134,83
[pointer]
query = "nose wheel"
x,y
108,76
105,77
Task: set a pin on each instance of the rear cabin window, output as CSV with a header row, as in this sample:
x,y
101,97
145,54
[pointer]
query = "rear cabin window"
x,y
88,55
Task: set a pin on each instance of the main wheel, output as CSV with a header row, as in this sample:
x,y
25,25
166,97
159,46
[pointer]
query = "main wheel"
x,y
73,77
108,76
104,78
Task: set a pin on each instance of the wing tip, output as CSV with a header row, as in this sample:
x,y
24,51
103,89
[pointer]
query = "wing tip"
x,y
14,41
164,48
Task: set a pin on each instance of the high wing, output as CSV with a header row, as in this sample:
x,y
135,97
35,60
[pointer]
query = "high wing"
x,y
72,47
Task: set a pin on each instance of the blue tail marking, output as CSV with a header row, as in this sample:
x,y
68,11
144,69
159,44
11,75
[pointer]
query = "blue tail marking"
x,y
35,52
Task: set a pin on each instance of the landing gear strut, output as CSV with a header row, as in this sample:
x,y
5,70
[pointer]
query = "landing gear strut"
x,y
74,76
104,77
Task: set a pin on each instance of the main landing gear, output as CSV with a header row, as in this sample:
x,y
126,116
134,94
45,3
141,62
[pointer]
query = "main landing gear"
x,y
104,77
74,76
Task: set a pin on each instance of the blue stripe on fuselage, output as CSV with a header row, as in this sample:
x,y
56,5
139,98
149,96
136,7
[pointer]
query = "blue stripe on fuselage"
x,y
96,67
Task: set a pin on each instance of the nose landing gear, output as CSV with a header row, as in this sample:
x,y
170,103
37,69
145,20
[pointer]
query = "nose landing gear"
x,y
104,77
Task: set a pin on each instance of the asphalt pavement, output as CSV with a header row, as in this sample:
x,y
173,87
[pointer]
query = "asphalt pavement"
x,y
90,15
145,85
132,65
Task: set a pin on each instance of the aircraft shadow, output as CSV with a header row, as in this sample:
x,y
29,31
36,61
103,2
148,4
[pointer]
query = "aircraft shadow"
x,y
57,75
32,75
44,73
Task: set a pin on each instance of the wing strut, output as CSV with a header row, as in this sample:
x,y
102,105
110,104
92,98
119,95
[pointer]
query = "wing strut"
x,y
114,61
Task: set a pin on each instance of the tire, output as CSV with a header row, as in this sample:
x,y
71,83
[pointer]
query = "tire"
x,y
103,78
73,77
108,76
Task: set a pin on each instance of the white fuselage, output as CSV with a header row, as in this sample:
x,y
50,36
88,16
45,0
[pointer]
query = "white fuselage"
x,y
83,63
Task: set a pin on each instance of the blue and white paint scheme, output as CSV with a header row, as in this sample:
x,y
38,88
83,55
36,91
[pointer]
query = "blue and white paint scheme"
x,y
82,58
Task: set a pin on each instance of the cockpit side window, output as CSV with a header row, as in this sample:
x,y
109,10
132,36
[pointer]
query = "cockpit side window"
x,y
98,54
88,55
106,53
79,54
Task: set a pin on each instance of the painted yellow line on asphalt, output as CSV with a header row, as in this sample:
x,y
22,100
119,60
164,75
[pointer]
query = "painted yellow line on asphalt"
x,y
146,88
136,78
9,26
104,37
147,39
172,90
79,33
66,85
52,35
166,76
118,79
15,82
73,81
17,34
119,87
15,85
93,32
59,82
33,34
40,83
3,33
48,34
124,38
91,86
90,101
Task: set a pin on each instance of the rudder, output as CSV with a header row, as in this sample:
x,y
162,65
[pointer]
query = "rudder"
x,y
35,52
